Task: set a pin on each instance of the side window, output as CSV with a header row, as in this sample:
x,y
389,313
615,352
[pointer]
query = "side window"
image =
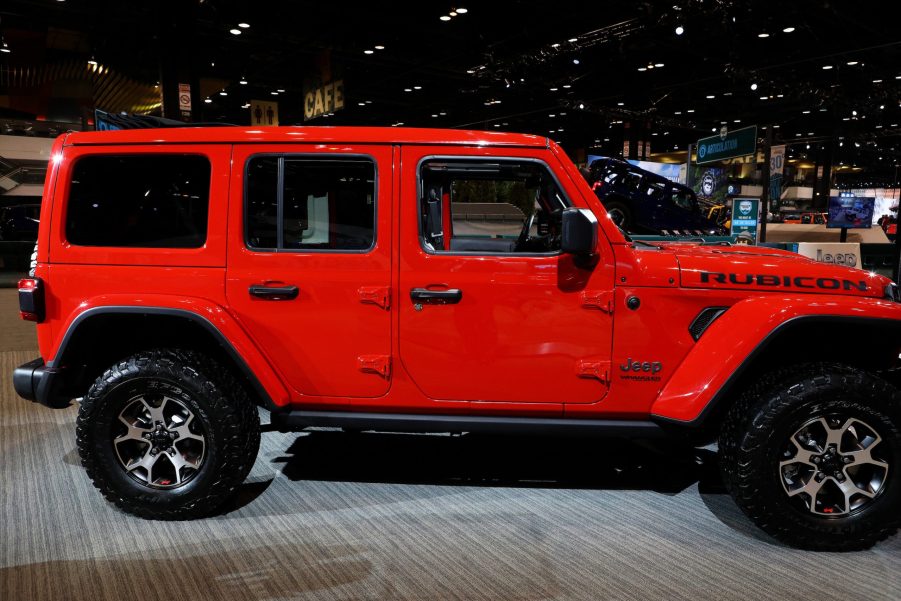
x,y
310,203
139,201
489,206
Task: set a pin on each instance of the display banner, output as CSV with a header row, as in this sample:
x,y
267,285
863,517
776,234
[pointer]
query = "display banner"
x,y
727,145
745,215
777,164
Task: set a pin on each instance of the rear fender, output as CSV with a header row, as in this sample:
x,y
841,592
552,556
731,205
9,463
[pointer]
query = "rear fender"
x,y
212,317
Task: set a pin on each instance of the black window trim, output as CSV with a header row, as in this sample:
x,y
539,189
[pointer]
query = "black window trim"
x,y
151,153
281,156
479,253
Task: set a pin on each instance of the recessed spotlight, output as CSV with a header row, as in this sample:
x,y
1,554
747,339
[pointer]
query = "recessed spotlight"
x,y
763,35
851,63
827,67
235,31
462,11
243,25
877,81
658,65
453,13
435,115
417,87
567,86
243,82
408,89
806,112
444,18
678,113
788,30
581,106
361,104
379,47
368,51
223,93
753,86
571,40
280,90
575,61
642,68
709,96
553,89
555,45
208,100
679,30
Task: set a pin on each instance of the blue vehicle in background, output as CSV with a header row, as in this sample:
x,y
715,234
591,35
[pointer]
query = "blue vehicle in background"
x,y
642,202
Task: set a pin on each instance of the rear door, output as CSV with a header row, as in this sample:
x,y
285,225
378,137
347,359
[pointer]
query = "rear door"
x,y
309,264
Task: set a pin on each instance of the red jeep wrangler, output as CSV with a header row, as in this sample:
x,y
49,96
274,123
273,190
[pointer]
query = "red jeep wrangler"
x,y
430,280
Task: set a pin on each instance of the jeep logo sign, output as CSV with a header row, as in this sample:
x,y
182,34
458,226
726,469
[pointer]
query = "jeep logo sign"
x,y
847,254
745,207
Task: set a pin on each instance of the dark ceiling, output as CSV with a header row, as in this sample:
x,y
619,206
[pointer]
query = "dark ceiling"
x,y
826,74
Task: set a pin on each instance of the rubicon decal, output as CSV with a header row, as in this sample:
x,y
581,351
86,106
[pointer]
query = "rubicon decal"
x,y
782,281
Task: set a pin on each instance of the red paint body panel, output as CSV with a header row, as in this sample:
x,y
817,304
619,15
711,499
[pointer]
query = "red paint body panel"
x,y
720,351
533,335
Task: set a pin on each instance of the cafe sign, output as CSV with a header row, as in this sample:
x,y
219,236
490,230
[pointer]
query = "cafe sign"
x,y
324,99
727,145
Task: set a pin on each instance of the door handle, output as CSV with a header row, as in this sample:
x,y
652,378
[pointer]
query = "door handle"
x,y
436,297
276,293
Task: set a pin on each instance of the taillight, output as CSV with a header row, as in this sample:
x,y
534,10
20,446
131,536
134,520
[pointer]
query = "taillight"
x,y
31,299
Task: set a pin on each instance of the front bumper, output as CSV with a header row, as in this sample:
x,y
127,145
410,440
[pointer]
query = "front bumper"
x,y
34,381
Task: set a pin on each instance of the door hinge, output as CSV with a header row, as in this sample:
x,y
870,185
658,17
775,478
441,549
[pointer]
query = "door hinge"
x,y
375,364
589,368
376,295
602,300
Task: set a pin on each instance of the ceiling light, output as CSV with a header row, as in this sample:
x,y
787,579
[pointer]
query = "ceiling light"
x,y
806,112
620,104
642,68
497,124
435,115
678,113
280,90
658,64
235,31
788,30
444,18
690,111
380,47
274,93
679,30
854,113
567,86
881,107
361,104
764,97
453,13
243,82
208,100
553,89
878,80
575,61
650,66
223,93
763,35
753,86
852,63
571,40
368,51
462,11
581,106
243,25
709,96
91,61
827,67
555,45
417,87
408,89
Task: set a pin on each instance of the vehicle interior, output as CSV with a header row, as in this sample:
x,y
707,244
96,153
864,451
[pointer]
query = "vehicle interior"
x,y
489,207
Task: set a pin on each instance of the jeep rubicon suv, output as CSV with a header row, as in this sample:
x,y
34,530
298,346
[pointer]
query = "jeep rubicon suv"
x,y
431,280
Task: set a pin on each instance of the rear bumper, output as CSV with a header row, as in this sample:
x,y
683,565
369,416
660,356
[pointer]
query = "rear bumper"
x,y
34,381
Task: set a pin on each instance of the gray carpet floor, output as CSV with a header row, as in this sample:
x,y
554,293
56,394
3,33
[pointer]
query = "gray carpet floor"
x,y
329,515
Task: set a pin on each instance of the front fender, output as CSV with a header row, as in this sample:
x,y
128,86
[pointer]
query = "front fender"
x,y
734,339
209,315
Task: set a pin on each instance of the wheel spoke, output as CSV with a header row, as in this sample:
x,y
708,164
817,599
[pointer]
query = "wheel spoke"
x,y
802,455
134,432
865,457
850,490
812,488
834,435
184,433
156,413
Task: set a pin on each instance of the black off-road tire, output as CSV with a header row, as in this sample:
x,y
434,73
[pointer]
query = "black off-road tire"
x,y
229,420
764,419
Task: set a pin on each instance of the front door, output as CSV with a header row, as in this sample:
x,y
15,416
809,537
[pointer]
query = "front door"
x,y
309,264
489,308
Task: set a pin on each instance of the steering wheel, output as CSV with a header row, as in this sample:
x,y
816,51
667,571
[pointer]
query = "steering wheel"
x,y
526,228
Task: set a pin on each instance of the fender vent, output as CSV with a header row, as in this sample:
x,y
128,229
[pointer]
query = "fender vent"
x,y
704,319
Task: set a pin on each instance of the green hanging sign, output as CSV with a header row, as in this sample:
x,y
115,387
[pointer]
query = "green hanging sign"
x,y
727,145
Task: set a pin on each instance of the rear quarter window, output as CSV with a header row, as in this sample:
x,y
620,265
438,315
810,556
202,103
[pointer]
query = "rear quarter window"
x,y
139,201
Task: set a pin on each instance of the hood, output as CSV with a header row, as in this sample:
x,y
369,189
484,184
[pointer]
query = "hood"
x,y
768,269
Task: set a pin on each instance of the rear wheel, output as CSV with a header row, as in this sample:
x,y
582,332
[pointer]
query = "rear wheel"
x,y
167,435
812,455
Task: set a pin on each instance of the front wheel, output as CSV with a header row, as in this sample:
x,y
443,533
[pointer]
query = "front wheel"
x,y
167,434
812,456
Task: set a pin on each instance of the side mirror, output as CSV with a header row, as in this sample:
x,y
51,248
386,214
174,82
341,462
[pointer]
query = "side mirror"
x,y
580,232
